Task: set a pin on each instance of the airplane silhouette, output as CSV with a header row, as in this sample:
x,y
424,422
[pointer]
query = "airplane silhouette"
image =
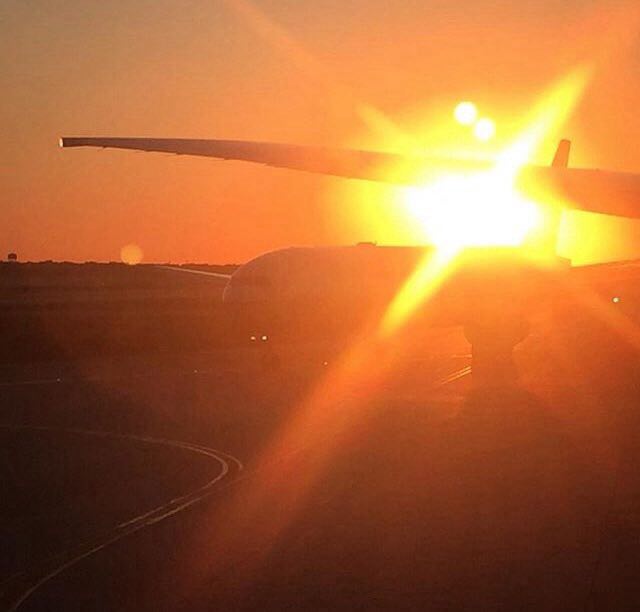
x,y
491,292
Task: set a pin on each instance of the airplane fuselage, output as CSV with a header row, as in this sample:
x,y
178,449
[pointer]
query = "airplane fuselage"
x,y
309,293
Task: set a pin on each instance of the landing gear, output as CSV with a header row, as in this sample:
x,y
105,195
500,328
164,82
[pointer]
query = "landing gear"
x,y
497,290
492,343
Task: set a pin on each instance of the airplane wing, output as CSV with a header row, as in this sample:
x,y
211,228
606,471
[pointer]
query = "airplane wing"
x,y
613,271
346,163
611,285
598,191
611,193
202,272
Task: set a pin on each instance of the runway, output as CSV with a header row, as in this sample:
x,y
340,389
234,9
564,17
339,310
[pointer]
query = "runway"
x,y
28,584
22,589
434,497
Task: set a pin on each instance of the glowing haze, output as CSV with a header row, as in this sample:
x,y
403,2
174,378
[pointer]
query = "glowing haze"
x,y
365,73
487,208
482,209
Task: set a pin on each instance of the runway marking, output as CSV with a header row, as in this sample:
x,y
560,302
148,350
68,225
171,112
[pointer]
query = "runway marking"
x,y
103,379
185,371
457,375
128,527
21,383
220,275
158,514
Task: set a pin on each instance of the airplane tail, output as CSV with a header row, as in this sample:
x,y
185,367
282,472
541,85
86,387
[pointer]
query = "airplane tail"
x,y
561,158
546,242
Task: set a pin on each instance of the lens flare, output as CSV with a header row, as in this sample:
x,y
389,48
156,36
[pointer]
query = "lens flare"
x,y
424,282
484,129
484,208
131,254
466,113
491,208
475,210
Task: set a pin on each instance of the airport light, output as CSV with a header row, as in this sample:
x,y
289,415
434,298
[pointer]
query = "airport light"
x,y
616,299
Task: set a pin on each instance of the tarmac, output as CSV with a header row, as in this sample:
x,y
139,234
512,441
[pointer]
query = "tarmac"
x,y
208,483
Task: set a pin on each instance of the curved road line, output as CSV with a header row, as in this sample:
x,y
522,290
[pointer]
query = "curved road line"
x,y
457,375
155,515
128,527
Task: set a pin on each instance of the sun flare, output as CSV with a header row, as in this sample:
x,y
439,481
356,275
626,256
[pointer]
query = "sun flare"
x,y
482,209
474,210
466,113
484,129
488,208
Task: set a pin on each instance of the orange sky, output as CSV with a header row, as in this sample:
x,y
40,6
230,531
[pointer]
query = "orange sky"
x,y
201,69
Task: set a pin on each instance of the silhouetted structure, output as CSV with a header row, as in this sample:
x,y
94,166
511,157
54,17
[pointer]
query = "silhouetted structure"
x,y
12,257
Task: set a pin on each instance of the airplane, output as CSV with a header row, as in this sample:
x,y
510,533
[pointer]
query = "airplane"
x,y
323,292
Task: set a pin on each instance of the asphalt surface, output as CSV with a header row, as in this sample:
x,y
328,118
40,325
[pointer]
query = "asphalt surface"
x,y
411,490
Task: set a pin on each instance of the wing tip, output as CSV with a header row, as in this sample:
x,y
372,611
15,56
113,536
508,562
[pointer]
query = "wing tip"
x,y
66,141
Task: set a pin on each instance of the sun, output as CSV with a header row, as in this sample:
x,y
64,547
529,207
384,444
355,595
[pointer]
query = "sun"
x,y
496,206
488,208
474,210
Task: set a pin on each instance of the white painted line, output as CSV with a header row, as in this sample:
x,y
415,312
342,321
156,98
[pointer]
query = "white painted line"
x,y
25,383
202,272
457,375
151,517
